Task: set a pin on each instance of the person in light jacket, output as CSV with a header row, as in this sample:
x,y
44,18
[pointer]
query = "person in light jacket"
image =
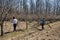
x,y
15,21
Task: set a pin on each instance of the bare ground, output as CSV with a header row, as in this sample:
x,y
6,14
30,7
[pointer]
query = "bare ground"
x,y
33,33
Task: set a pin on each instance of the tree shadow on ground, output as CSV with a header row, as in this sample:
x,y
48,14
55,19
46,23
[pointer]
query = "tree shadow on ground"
x,y
36,25
38,29
14,31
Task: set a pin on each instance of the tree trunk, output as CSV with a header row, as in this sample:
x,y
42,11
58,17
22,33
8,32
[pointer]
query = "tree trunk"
x,y
2,29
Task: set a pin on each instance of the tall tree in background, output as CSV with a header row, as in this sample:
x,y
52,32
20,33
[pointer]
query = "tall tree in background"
x,y
38,9
57,7
31,6
46,8
54,7
25,7
32,9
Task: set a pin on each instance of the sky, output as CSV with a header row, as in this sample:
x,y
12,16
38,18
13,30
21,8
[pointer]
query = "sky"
x,y
28,2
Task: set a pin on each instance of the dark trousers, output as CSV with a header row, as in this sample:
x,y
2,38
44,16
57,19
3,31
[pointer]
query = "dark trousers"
x,y
14,25
42,26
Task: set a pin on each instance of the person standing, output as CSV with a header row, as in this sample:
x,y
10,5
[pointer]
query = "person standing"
x,y
43,23
15,21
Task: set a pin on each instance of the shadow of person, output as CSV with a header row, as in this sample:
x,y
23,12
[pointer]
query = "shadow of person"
x,y
14,31
38,29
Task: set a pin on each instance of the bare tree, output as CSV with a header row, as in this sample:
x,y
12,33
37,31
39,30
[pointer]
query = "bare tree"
x,y
4,12
25,7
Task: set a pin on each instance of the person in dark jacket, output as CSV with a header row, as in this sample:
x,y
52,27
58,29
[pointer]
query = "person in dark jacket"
x,y
43,23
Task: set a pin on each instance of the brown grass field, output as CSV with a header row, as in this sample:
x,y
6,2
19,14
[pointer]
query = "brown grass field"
x,y
33,32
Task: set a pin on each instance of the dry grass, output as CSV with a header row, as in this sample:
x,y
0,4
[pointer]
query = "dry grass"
x,y
32,33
